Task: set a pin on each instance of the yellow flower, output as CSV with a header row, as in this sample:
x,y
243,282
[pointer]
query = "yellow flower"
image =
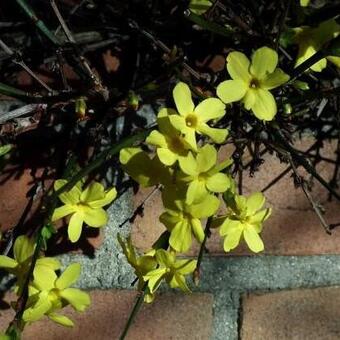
x,y
304,3
145,171
182,219
204,175
171,146
251,81
243,218
311,40
142,264
170,269
50,293
23,250
85,206
199,6
192,120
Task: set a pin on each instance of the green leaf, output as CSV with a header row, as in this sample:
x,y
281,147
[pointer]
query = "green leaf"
x,y
5,149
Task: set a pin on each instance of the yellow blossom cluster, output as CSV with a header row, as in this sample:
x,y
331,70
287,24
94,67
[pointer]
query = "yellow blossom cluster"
x,y
185,163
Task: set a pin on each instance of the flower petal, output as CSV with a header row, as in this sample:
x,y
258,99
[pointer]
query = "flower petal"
x,y
255,202
75,227
23,248
238,66
205,208
211,108
38,310
61,319
232,240
196,191
78,299
69,276
166,156
178,281
49,262
183,100
196,227
94,191
109,196
230,91
69,197
165,258
206,158
263,61
273,80
157,139
44,277
218,183
249,99
180,237
7,262
63,211
229,226
253,239
264,107
188,164
217,135
185,267
95,217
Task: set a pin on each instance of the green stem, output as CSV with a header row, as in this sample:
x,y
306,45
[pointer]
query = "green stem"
x,y
12,91
196,274
39,23
134,312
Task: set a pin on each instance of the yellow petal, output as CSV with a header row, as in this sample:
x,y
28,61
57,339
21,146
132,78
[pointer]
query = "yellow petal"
x,y
69,197
253,239
75,227
49,262
211,108
232,240
109,196
63,211
157,139
255,202
94,191
185,267
165,258
229,226
95,217
180,237
264,107
183,100
166,156
206,207
196,191
69,276
190,138
217,135
44,277
78,299
197,230
231,90
238,66
275,79
218,183
61,319
263,62
334,60
304,3
249,99
23,248
38,310
7,262
188,165
206,158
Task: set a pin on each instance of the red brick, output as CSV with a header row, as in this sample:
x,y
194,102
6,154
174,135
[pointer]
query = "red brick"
x,y
311,314
171,316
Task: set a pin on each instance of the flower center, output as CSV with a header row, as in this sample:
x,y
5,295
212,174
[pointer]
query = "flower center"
x,y
254,83
191,120
176,144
